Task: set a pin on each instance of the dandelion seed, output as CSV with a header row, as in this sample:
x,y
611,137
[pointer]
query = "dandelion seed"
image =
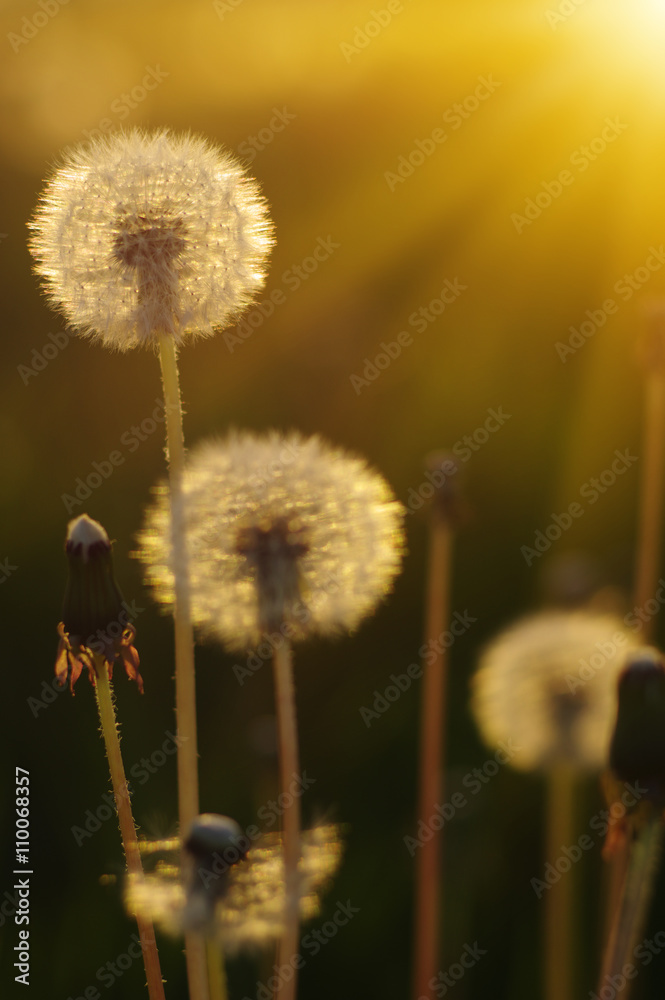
x,y
283,532
548,684
144,233
239,895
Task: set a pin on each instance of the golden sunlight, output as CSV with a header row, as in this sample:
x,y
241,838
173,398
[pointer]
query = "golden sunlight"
x,y
630,36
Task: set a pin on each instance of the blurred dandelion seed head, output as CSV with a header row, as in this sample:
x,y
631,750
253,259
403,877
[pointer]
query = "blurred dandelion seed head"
x,y
249,913
548,683
283,532
139,233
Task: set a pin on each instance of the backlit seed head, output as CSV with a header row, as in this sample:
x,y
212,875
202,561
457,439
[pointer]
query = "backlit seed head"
x,y
284,534
548,683
237,895
140,233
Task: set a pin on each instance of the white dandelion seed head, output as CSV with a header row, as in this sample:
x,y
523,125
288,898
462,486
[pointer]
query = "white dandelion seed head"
x,y
284,533
548,686
138,233
250,913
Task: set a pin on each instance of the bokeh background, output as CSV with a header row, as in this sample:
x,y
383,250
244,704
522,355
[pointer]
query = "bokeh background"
x,y
356,88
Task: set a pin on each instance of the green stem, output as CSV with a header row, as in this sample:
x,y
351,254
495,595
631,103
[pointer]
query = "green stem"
x,y
649,530
188,781
432,751
651,495
216,972
126,820
631,915
289,768
559,899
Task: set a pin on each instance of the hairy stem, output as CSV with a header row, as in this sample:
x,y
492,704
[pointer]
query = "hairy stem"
x,y
126,820
188,780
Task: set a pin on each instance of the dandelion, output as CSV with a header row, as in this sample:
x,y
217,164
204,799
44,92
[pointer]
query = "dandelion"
x,y
283,532
144,232
286,537
95,616
151,239
548,685
237,893
94,632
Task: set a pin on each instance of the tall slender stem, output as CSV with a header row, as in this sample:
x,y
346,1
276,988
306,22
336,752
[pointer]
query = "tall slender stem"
x,y
289,769
632,913
188,781
653,468
649,529
126,820
559,899
216,971
432,748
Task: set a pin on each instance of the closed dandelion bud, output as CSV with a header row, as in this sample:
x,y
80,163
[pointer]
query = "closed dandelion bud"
x,y
94,617
637,750
92,596
546,688
285,534
139,234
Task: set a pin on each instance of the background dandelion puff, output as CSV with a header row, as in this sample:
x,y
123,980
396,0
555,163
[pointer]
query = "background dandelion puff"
x,y
548,683
250,913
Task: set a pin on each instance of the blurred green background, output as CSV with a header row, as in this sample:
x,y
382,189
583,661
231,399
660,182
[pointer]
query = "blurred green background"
x,y
359,92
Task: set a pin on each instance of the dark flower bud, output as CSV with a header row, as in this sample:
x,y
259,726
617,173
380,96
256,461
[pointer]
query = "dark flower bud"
x,y
95,618
92,598
637,749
